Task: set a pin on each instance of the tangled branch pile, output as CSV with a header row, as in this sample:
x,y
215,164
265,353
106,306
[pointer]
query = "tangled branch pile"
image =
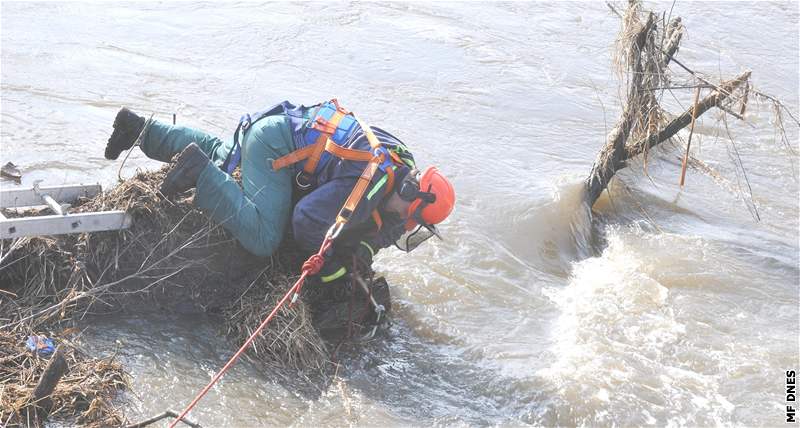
x,y
645,50
171,255
84,391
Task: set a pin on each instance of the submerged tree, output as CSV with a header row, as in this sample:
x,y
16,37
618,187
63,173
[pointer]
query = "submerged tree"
x,y
645,56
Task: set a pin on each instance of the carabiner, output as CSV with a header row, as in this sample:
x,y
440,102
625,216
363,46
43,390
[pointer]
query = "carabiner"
x,y
334,231
379,310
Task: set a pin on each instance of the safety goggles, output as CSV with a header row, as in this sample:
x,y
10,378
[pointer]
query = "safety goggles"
x,y
409,187
410,192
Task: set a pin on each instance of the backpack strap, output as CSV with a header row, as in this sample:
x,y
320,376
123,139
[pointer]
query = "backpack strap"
x,y
245,122
382,159
313,152
379,157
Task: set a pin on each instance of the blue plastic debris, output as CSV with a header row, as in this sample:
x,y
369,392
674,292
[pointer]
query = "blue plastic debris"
x,y
42,345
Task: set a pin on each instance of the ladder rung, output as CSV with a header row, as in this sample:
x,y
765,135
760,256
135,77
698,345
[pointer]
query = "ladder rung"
x,y
55,206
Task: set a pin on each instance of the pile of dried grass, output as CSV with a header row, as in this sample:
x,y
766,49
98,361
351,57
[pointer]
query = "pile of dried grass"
x,y
82,396
171,255
289,342
53,277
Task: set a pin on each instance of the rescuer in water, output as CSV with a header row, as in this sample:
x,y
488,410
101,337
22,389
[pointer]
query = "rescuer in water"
x,y
316,154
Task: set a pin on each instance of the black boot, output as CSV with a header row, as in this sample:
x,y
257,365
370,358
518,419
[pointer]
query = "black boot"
x,y
127,127
186,169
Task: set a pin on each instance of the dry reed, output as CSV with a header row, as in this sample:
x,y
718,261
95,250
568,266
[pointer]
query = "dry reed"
x,y
83,396
171,254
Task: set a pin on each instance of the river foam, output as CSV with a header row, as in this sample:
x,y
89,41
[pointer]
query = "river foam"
x,y
619,345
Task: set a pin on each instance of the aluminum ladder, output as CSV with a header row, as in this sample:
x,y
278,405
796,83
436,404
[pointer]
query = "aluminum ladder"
x,y
62,222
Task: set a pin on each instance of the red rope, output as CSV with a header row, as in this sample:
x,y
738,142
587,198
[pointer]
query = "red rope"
x,y
310,267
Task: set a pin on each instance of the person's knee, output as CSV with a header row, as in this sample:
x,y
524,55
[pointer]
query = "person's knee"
x,y
265,241
258,250
262,246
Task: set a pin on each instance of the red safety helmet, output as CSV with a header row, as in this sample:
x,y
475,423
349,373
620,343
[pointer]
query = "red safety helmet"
x,y
431,195
432,198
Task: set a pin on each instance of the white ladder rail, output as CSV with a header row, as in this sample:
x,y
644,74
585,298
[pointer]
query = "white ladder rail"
x,y
62,222
17,198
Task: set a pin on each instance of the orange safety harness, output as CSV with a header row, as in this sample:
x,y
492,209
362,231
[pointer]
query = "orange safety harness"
x,y
379,157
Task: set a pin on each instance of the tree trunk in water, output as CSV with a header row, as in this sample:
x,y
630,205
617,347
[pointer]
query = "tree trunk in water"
x,y
614,154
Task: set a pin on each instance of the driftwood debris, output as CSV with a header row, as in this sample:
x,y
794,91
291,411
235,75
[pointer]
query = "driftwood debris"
x,y
10,171
40,400
644,53
614,155
691,133
75,388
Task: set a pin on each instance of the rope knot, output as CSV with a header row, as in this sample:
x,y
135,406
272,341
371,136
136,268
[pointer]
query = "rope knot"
x,y
313,264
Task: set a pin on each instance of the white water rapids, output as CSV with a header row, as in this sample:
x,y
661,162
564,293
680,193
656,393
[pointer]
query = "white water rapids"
x,y
682,310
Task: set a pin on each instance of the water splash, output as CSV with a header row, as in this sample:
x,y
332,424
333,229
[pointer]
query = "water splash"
x,y
620,348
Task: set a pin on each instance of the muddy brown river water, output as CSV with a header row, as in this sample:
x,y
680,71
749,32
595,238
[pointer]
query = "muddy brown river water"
x,y
685,314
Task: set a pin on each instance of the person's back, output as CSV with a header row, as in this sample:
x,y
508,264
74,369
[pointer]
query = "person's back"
x,y
344,172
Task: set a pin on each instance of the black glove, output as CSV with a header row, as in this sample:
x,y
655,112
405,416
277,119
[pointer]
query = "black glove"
x,y
335,270
330,287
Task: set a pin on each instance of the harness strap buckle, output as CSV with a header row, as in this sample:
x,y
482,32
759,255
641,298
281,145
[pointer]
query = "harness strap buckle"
x,y
324,126
245,121
303,180
338,107
382,153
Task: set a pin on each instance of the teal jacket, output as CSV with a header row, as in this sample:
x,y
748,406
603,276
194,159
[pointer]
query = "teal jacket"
x,y
333,180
